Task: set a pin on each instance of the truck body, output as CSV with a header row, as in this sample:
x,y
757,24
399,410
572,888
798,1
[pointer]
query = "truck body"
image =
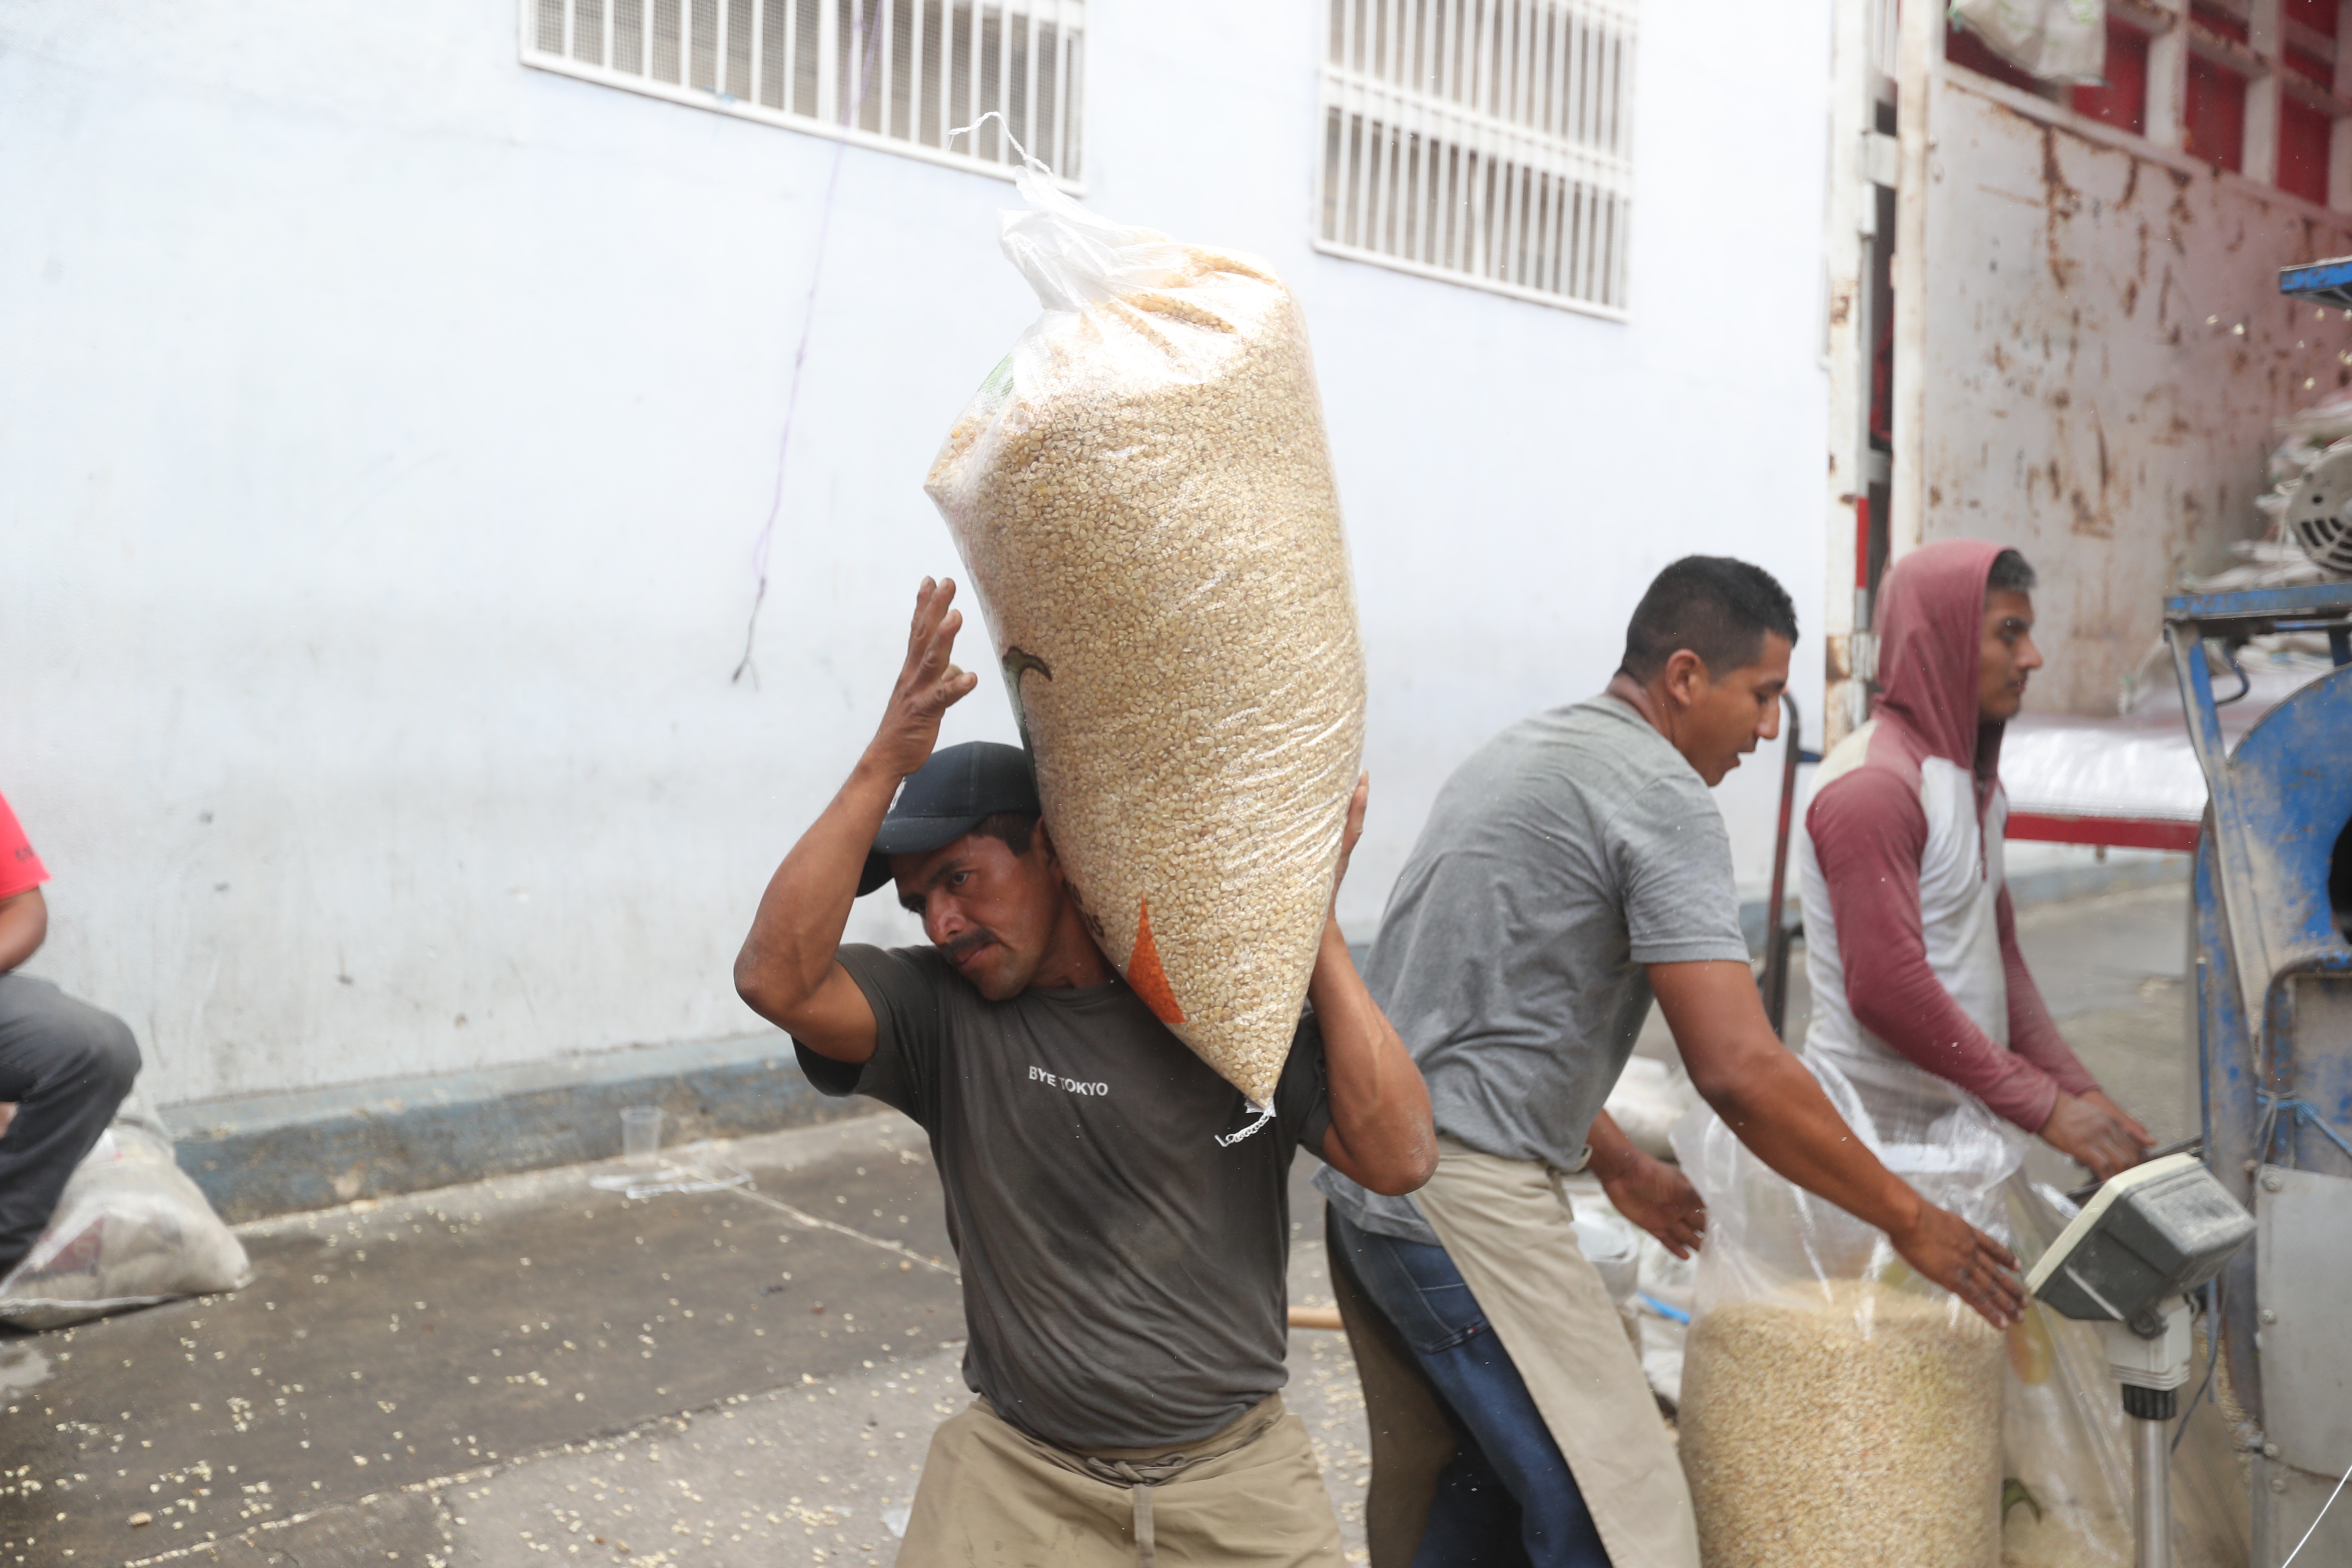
x,y
2065,332
2056,322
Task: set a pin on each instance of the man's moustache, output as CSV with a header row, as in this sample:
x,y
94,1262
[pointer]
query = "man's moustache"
x,y
968,942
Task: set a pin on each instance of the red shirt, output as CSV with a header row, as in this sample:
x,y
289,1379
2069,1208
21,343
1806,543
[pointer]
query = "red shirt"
x,y
20,870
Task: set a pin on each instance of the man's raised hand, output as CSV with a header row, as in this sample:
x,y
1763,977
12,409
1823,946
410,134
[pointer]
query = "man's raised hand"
x,y
929,682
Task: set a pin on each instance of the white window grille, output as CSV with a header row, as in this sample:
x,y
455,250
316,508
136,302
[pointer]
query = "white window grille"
x,y
893,74
1483,142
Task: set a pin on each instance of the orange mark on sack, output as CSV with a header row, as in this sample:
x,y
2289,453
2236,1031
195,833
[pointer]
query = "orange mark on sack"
x,y
1144,973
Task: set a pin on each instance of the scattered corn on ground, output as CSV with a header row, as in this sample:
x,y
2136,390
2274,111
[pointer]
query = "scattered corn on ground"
x,y
2064,1538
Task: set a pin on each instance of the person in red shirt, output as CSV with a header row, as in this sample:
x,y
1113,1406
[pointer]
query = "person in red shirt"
x,y
65,1065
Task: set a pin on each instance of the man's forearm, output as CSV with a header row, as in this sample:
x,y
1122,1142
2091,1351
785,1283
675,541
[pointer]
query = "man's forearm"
x,y
1380,1107
1779,1112
806,907
1613,1151
1766,1096
2033,1032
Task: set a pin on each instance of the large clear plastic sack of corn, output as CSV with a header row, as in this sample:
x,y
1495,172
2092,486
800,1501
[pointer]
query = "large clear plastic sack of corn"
x,y
1837,1409
1143,496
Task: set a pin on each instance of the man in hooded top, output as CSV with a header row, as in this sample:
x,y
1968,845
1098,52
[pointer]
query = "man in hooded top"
x,y
1911,942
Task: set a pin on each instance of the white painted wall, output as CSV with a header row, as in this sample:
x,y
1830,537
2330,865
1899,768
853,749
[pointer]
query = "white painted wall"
x,y
385,427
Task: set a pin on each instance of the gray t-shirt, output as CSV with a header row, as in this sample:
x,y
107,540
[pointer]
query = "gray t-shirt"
x,y
1567,852
1124,1273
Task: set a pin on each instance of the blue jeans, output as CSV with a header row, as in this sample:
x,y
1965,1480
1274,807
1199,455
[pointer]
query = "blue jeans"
x,y
1507,1499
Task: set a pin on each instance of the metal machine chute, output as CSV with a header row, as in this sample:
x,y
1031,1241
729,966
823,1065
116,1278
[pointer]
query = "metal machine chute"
x,y
2274,1032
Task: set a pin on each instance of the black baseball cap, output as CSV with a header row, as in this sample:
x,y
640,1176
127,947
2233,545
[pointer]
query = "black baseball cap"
x,y
946,798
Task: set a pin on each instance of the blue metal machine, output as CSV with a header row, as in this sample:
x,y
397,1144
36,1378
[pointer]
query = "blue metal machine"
x,y
2274,945
2322,282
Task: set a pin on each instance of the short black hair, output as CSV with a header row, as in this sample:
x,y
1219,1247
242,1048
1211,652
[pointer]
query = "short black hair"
x,y
1718,608
1011,828
2011,573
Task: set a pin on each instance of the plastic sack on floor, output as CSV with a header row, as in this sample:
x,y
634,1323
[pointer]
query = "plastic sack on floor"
x,y
2066,1460
1836,1407
2054,41
1144,498
130,1230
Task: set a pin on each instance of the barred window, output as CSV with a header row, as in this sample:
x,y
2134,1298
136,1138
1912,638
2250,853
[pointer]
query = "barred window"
x,y
893,74
1483,142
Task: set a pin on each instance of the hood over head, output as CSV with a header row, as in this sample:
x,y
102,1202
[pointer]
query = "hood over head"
x,y
1931,631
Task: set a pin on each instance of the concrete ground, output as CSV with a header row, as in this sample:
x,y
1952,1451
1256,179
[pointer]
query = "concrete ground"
x,y
533,1370
2115,971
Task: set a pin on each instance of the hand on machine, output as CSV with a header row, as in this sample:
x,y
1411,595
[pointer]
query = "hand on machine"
x,y
2096,1133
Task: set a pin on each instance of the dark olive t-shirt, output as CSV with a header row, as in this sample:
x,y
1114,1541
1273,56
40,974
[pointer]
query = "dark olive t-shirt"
x,y
1124,1271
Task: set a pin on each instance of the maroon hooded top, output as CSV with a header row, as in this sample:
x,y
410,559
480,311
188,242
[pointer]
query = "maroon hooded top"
x,y
1869,830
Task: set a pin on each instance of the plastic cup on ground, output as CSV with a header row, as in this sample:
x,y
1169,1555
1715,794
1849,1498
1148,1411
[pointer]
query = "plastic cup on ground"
x,y
641,1135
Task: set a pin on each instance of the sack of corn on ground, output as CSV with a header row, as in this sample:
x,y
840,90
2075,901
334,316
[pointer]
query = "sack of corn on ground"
x,y
1143,496
1835,1408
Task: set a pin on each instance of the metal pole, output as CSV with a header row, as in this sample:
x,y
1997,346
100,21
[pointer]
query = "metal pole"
x,y
1919,64
2152,1482
1849,249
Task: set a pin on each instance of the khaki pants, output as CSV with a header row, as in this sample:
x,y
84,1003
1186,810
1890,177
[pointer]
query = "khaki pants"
x,y
993,1497
1506,1225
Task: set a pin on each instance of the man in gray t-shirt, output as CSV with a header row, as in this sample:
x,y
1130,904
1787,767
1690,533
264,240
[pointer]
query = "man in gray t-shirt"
x,y
1571,868
1041,1106
1120,1213
1570,852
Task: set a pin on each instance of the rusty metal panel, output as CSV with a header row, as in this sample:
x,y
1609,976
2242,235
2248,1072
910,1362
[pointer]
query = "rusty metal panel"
x,y
2106,349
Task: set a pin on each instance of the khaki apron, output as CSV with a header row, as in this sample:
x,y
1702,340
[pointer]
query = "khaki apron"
x,y
1505,1224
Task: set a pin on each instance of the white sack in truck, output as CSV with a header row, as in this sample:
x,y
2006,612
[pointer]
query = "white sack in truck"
x,y
1142,494
2053,40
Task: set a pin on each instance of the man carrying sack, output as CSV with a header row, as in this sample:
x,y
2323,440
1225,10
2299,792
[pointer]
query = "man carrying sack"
x,y
1571,868
1121,1224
